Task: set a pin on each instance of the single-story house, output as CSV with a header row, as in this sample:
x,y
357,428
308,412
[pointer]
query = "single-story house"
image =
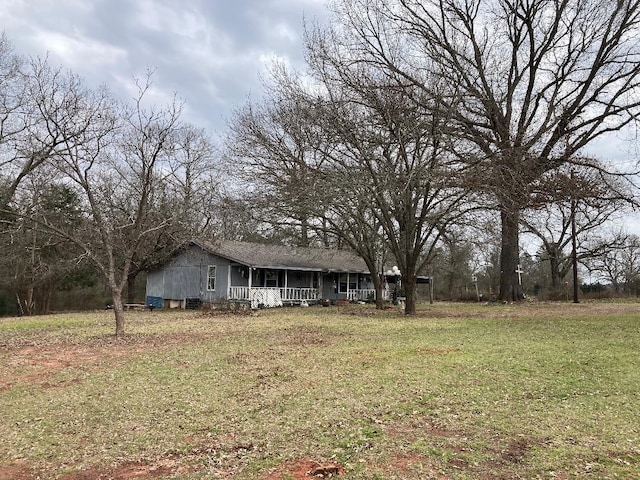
x,y
261,275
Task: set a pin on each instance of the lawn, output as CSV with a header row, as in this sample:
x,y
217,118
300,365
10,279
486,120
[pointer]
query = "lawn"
x,y
532,391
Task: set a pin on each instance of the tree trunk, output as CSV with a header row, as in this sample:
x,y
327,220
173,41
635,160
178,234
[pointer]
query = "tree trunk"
x,y
304,232
28,303
409,287
379,300
554,265
377,285
47,302
131,287
118,310
369,260
509,288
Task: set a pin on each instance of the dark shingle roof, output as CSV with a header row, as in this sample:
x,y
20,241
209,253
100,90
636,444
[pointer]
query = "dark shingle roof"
x,y
284,257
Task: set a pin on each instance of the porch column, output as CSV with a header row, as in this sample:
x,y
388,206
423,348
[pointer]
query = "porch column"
x,y
250,276
228,281
284,293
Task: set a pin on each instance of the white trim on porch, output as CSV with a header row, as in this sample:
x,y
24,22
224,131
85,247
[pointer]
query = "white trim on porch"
x,y
272,296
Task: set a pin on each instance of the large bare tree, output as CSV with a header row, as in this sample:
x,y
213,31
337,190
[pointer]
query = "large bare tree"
x,y
527,83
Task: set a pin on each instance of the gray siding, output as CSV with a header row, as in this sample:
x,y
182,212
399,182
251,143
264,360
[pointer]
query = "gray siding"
x,y
185,276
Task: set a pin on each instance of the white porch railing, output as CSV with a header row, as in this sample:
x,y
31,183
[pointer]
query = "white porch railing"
x,y
295,294
239,293
362,294
288,294
292,294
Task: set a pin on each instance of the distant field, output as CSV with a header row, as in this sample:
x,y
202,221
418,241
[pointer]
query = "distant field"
x,y
531,391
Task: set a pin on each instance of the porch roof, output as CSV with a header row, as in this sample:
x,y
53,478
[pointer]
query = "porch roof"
x,y
280,257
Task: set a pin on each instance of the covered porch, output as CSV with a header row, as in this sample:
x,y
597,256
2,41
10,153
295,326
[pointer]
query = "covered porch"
x,y
271,287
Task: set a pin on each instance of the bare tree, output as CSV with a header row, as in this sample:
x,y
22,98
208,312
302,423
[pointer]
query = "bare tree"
x,y
14,120
182,203
195,180
453,261
620,267
525,83
352,153
582,195
350,215
115,166
390,137
284,143
277,144
38,117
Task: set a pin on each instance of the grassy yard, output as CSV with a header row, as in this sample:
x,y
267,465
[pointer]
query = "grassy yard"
x,y
458,392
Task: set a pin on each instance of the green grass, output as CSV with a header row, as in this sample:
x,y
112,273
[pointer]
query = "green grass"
x,y
457,392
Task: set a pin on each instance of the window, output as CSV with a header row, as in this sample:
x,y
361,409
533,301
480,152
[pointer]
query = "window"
x,y
271,278
353,282
211,278
343,282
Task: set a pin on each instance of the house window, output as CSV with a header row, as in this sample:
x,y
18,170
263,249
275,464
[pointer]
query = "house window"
x,y
343,283
271,278
211,278
353,282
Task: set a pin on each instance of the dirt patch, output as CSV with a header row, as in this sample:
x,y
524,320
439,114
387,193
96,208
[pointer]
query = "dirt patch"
x,y
408,465
129,470
304,469
516,451
38,364
18,470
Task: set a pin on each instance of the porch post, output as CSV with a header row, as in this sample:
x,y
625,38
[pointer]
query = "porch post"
x,y
228,281
250,276
285,294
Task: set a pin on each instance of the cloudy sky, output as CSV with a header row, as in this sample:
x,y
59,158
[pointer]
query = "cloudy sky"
x,y
211,53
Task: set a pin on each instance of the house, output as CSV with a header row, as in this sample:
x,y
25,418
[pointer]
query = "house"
x,y
261,275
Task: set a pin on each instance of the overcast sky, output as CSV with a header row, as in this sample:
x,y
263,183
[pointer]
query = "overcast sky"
x,y
211,53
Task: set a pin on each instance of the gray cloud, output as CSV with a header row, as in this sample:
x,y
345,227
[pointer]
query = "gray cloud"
x,y
211,53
